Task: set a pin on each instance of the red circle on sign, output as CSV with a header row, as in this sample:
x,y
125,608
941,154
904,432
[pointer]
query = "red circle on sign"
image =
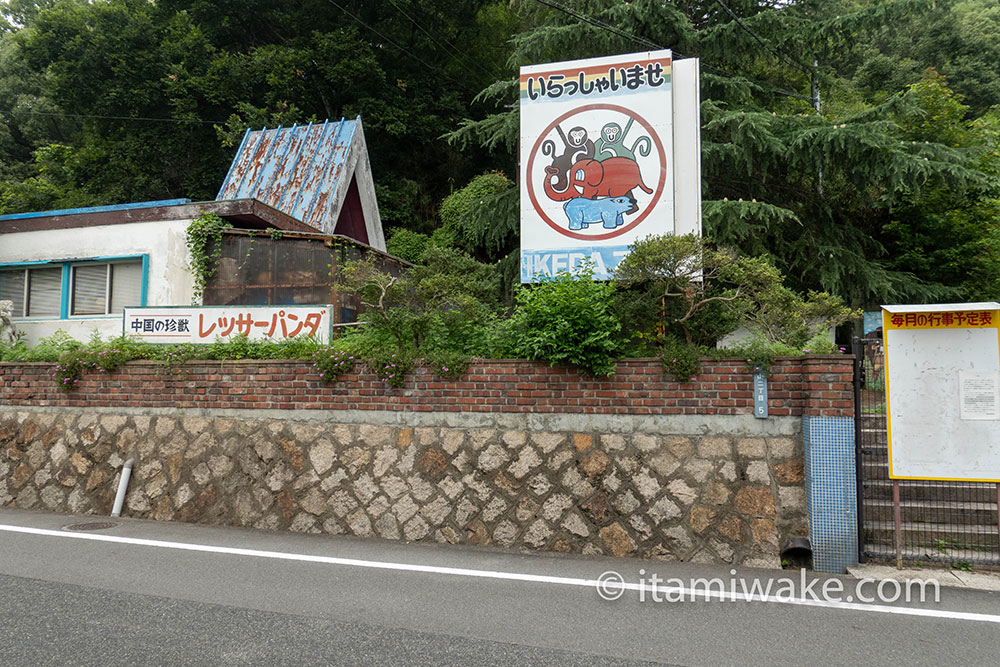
x,y
656,193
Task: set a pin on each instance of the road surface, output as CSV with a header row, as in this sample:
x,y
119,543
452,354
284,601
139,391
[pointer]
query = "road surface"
x,y
151,593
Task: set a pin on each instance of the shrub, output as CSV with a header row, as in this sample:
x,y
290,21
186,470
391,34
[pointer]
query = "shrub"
x,y
448,363
390,366
332,363
408,245
567,320
457,205
681,360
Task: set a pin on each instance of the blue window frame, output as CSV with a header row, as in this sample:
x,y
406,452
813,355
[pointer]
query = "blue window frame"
x,y
75,288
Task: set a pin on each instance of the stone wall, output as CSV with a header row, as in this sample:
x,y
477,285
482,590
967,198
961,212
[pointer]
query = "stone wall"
x,y
702,498
642,477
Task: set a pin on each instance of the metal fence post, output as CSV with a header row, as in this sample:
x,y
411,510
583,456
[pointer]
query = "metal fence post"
x,y
858,350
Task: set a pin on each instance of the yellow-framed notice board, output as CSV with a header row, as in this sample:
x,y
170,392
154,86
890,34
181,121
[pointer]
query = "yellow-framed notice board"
x,y
942,375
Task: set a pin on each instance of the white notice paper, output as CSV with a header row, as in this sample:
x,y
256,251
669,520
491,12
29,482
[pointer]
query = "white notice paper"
x,y
979,393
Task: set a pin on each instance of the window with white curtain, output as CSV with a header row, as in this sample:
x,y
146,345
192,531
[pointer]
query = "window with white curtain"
x,y
12,289
44,292
94,288
104,289
126,286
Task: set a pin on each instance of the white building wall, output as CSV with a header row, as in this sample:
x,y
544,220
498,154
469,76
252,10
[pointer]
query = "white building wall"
x,y
170,282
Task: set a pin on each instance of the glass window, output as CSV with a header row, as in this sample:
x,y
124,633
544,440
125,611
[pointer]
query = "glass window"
x,y
94,289
126,286
44,292
90,289
12,289
94,283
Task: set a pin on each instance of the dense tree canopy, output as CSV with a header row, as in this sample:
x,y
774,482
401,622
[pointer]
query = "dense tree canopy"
x,y
148,100
853,142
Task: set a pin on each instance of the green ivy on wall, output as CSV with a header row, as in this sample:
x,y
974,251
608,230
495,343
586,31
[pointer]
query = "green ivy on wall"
x,y
204,241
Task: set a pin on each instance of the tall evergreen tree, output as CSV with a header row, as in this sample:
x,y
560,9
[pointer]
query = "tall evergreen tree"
x,y
819,190
150,98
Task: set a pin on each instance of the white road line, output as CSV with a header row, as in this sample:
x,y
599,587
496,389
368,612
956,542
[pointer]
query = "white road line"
x,y
666,591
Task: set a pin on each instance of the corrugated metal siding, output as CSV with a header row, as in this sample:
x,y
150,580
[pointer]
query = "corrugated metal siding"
x,y
294,169
259,270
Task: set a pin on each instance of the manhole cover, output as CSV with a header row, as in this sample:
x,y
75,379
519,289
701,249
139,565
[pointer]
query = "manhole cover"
x,y
92,525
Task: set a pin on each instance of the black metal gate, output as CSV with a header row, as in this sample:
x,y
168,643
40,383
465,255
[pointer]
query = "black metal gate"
x,y
917,521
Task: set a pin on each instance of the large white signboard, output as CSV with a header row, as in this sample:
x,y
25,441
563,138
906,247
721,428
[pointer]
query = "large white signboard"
x,y
942,369
206,324
599,142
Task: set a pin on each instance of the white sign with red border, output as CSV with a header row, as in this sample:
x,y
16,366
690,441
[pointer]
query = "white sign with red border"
x,y
206,324
599,144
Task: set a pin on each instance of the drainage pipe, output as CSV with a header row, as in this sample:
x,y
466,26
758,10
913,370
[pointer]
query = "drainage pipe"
x,y
122,487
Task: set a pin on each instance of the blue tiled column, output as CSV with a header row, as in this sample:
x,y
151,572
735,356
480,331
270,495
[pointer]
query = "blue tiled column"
x,y
831,492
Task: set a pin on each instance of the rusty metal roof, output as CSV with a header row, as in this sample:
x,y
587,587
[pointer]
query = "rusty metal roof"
x,y
296,170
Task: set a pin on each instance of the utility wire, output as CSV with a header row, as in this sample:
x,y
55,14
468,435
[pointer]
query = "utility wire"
x,y
139,118
401,48
449,47
760,41
599,24
647,43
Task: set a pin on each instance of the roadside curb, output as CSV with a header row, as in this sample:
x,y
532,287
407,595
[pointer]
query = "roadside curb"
x,y
983,581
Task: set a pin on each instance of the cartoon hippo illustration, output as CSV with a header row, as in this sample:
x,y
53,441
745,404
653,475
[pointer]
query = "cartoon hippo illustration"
x,y
583,212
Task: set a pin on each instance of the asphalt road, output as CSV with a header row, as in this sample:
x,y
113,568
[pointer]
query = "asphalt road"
x,y
148,593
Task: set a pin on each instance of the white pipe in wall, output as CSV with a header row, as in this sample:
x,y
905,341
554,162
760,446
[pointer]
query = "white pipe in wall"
x,y
122,487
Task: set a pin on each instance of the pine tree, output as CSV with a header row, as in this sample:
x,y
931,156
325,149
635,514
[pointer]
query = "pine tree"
x,y
816,190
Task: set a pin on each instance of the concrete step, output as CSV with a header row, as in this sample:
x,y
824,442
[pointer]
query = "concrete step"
x,y
957,512
913,490
886,551
941,537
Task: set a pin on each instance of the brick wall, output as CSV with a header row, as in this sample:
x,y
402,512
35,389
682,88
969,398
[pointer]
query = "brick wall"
x,y
809,386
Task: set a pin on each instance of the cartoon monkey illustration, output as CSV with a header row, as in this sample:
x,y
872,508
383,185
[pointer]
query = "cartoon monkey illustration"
x,y
611,143
578,147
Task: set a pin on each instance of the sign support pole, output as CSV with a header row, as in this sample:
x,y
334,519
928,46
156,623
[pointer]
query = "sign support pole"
x,y
899,524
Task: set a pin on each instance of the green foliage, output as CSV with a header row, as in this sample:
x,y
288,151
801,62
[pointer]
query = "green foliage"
x,y
450,364
778,314
483,219
389,366
153,97
692,278
17,351
442,303
332,363
681,360
703,293
567,320
47,349
74,363
74,359
470,215
408,245
817,192
204,241
758,352
236,348
49,182
442,308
